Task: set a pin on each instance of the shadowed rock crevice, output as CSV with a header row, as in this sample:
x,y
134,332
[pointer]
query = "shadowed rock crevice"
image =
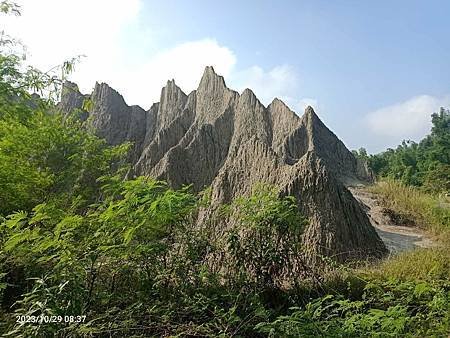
x,y
217,137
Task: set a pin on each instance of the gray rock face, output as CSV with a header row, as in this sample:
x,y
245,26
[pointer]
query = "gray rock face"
x,y
110,117
72,99
217,137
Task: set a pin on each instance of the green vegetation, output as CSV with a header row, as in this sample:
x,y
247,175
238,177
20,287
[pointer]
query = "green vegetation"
x,y
78,239
386,309
425,164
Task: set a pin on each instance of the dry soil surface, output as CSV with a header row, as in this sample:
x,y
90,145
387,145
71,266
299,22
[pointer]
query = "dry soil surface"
x,y
397,238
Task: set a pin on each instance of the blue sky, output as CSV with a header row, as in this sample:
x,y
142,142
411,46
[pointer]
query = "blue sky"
x,y
373,70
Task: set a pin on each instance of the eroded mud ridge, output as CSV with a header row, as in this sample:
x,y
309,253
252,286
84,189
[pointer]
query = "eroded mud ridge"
x,y
217,137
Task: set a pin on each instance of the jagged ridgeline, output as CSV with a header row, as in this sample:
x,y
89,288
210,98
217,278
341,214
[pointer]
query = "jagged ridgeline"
x,y
217,137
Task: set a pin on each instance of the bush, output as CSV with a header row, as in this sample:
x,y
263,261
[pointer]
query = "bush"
x,y
386,309
265,242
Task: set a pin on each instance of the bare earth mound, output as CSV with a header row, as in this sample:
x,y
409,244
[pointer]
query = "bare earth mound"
x,y
217,137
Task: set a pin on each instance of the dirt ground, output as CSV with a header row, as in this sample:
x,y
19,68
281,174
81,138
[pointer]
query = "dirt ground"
x,y
396,237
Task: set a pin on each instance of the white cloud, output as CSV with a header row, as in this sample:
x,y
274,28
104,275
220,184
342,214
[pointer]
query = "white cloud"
x,y
185,63
104,31
406,120
55,31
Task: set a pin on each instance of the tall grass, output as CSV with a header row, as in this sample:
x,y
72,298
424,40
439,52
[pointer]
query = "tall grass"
x,y
431,212
420,264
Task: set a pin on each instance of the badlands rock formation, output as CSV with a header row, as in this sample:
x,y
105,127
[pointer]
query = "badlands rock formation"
x,y
217,137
